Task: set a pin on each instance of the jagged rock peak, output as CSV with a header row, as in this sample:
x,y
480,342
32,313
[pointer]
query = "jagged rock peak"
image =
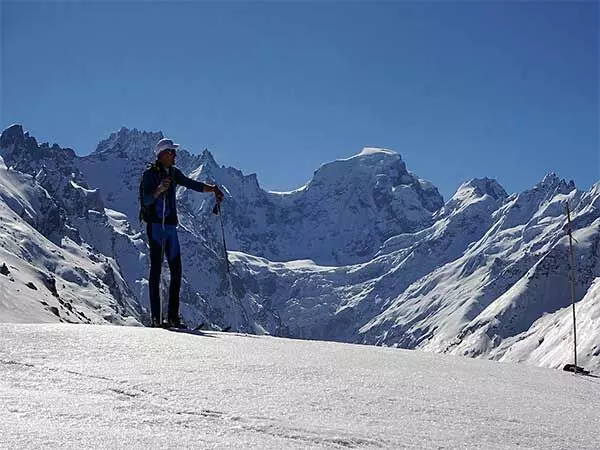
x,y
549,179
206,157
484,192
131,142
14,135
23,148
481,187
553,184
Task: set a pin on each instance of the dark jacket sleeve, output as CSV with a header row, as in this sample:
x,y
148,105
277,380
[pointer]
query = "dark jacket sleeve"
x,y
149,185
181,179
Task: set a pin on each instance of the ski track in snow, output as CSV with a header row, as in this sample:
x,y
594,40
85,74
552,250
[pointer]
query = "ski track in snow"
x,y
87,386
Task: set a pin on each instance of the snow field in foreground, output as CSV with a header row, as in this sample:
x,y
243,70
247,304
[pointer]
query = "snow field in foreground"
x,y
88,386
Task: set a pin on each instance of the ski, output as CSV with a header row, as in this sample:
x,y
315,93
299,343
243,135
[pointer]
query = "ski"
x,y
223,330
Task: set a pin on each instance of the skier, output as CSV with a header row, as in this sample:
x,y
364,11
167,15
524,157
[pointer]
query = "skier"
x,y
159,211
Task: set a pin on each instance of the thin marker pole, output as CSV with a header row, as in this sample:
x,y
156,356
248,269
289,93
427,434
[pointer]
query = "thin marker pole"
x,y
572,278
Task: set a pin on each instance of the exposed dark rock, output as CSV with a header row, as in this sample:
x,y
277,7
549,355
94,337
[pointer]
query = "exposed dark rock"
x,y
50,283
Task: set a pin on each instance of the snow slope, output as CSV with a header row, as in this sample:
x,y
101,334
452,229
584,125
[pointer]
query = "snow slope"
x,y
45,281
472,284
138,388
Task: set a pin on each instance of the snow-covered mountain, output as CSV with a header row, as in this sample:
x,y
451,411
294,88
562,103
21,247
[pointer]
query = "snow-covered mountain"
x,y
365,252
474,283
342,216
45,280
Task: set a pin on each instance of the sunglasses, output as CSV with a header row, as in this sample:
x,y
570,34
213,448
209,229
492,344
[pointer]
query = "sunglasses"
x,y
172,151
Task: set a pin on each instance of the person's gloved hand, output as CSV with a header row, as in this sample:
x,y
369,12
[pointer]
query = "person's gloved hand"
x,y
163,186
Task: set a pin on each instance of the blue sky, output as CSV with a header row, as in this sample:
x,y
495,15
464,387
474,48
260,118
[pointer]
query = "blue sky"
x,y
507,90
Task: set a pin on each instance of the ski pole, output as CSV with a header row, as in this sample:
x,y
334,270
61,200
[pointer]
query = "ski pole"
x,y
217,211
162,253
572,280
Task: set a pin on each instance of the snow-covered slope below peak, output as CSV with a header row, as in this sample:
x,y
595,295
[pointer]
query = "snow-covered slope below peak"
x,y
463,220
544,288
44,282
30,201
499,287
586,210
549,341
51,272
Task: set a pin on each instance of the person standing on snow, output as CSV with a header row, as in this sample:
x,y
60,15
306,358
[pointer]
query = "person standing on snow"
x,y
159,211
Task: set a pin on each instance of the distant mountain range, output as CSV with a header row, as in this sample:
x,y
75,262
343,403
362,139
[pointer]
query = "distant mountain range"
x,y
365,252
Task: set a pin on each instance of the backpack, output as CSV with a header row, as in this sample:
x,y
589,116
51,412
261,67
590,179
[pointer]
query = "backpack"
x,y
144,214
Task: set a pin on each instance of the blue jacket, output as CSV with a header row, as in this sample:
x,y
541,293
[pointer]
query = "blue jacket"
x,y
152,209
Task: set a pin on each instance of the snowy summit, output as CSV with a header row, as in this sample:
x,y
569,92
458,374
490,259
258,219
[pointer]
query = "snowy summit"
x,y
375,150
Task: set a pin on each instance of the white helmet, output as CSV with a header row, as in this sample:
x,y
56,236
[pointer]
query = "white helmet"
x,y
165,144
